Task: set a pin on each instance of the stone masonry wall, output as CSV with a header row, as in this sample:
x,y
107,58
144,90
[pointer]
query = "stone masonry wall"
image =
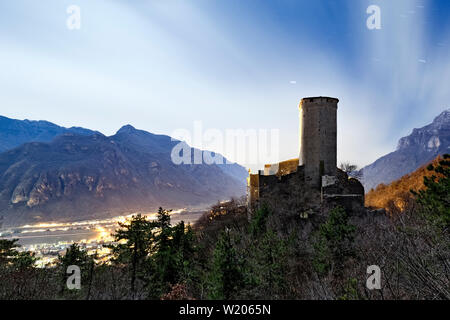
x,y
318,131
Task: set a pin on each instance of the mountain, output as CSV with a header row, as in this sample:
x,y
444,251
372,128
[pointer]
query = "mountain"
x,y
78,176
14,133
417,149
398,192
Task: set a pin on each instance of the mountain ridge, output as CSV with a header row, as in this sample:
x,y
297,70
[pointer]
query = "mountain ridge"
x,y
77,176
413,151
14,133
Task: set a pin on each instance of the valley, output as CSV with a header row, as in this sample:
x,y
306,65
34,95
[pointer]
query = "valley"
x,y
47,240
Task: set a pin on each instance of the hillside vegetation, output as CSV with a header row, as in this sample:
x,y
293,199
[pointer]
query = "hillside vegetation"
x,y
231,254
395,196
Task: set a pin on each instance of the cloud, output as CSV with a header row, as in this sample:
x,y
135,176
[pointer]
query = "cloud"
x,y
161,65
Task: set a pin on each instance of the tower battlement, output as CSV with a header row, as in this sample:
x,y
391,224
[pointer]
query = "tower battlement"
x,y
319,99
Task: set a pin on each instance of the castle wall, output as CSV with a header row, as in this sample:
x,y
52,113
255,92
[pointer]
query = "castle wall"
x,y
287,167
282,168
252,189
342,191
270,169
285,193
311,183
291,195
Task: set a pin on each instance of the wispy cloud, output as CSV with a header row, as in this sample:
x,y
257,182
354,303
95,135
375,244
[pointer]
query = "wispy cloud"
x,y
161,65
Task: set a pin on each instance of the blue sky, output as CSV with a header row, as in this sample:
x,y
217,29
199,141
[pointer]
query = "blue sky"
x,y
161,65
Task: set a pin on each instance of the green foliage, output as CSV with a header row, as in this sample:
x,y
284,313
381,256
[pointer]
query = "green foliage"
x,y
163,239
164,258
350,291
138,237
259,220
8,251
267,256
11,258
322,256
157,253
75,256
184,250
269,265
226,276
271,256
25,260
334,242
250,264
135,240
435,199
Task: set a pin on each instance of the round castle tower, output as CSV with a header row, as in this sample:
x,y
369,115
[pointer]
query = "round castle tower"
x,y
318,136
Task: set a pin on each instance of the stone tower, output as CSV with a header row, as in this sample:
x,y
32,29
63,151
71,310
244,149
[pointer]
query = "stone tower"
x,y
318,133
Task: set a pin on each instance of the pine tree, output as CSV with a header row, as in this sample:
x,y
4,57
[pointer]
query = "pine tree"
x,y
164,259
8,251
435,198
334,243
74,256
226,277
259,220
139,243
10,257
270,265
183,239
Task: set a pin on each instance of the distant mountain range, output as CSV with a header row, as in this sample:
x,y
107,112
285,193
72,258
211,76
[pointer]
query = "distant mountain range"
x,y
48,172
417,149
14,133
72,174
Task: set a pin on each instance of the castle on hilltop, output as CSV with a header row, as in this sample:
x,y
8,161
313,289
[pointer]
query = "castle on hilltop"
x,y
312,182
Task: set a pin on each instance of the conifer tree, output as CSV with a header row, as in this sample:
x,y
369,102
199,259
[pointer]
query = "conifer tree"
x,y
435,198
74,256
10,257
334,243
226,277
138,244
165,257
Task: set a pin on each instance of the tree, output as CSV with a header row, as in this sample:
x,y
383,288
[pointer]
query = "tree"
x,y
164,258
351,170
435,198
25,260
10,257
8,251
226,276
138,239
162,239
174,253
75,256
183,245
259,220
269,265
334,243
158,254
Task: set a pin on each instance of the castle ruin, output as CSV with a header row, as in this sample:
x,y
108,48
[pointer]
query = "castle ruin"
x,y
312,182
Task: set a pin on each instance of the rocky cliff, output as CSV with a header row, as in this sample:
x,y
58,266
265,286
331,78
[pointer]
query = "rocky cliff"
x,y
413,151
89,176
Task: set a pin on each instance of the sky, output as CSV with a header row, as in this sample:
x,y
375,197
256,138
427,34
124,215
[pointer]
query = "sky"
x,y
165,65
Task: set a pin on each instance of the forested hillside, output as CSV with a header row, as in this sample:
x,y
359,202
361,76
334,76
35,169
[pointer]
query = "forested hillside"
x,y
229,254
